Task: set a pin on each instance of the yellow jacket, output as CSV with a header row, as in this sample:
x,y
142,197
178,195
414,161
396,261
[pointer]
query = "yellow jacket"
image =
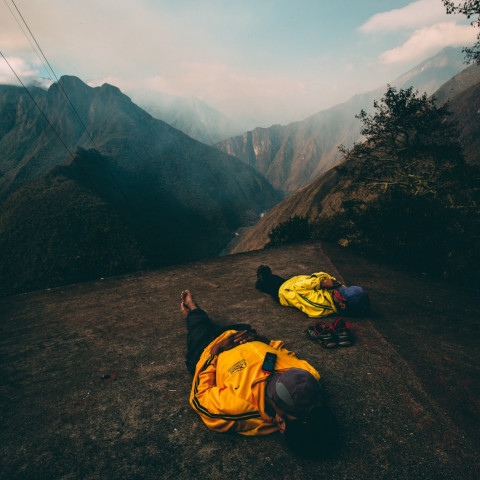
x,y
304,292
228,389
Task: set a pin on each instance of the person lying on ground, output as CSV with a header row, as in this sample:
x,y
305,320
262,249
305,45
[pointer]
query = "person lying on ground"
x,y
233,390
317,295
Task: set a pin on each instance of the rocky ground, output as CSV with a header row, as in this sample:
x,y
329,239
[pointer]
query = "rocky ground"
x,y
94,386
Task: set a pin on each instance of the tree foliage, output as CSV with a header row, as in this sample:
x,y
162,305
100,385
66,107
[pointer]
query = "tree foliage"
x,y
421,233
469,8
409,196
295,229
408,144
426,214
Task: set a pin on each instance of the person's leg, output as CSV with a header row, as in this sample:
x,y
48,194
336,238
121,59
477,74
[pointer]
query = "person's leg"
x,y
267,282
200,332
200,329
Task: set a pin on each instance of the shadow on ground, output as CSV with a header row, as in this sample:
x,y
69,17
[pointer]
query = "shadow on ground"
x,y
94,385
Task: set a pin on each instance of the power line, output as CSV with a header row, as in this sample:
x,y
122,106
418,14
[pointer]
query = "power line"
x,y
120,189
28,38
37,105
62,89
56,78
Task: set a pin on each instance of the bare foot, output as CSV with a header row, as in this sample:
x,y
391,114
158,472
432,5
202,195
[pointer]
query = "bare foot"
x,y
188,303
184,309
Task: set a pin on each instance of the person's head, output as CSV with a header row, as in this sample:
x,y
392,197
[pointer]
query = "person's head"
x,y
301,413
353,301
316,437
293,394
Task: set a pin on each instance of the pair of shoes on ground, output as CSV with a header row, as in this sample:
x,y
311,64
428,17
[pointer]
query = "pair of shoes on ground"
x,y
331,335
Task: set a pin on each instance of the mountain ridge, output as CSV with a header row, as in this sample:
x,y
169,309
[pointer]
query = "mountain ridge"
x,y
155,181
292,156
190,115
325,194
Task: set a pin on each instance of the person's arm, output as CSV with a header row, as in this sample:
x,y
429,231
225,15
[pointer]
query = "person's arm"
x,y
314,298
235,339
326,280
317,281
330,283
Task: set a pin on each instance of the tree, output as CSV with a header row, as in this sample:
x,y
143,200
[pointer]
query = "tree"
x,y
408,145
469,8
426,214
295,229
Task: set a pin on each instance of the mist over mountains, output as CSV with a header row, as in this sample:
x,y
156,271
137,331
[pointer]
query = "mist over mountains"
x,y
141,188
126,191
190,115
294,155
325,195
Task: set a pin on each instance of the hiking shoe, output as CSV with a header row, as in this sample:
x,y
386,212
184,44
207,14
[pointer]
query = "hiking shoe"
x,y
342,332
322,333
263,274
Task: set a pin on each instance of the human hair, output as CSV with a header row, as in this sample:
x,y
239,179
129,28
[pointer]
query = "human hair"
x,y
360,308
315,437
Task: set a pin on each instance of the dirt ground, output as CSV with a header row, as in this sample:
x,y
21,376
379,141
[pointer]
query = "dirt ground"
x,y
93,382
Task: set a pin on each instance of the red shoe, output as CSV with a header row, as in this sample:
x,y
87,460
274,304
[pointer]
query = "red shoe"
x,y
342,332
323,333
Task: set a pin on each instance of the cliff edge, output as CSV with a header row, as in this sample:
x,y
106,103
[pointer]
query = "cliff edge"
x,y
94,383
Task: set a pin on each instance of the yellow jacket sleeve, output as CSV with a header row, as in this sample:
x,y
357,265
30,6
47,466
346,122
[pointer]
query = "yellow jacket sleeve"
x,y
306,294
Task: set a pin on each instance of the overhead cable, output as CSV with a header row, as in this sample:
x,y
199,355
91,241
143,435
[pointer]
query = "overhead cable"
x,y
56,78
29,39
37,105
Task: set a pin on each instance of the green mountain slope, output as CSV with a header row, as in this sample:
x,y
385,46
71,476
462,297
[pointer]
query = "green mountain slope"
x,y
58,229
174,198
325,194
294,155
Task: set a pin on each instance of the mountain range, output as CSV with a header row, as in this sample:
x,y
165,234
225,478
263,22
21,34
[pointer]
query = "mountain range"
x,y
127,191
93,185
294,155
327,192
190,115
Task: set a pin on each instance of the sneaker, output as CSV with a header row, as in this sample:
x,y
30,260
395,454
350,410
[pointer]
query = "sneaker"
x,y
323,333
342,332
263,274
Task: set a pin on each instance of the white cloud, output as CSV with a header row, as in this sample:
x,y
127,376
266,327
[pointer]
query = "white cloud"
x,y
219,52
21,68
429,40
415,15
428,27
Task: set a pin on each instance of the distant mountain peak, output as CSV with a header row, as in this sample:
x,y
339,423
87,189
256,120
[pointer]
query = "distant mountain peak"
x,y
145,184
107,87
293,155
72,81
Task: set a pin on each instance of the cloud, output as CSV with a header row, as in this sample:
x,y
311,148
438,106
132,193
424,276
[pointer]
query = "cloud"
x,y
415,15
429,40
428,27
229,90
21,68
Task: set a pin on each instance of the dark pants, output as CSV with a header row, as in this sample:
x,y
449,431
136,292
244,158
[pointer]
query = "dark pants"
x,y
202,331
270,284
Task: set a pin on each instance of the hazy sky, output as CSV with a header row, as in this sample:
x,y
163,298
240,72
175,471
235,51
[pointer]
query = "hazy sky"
x,y
274,61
